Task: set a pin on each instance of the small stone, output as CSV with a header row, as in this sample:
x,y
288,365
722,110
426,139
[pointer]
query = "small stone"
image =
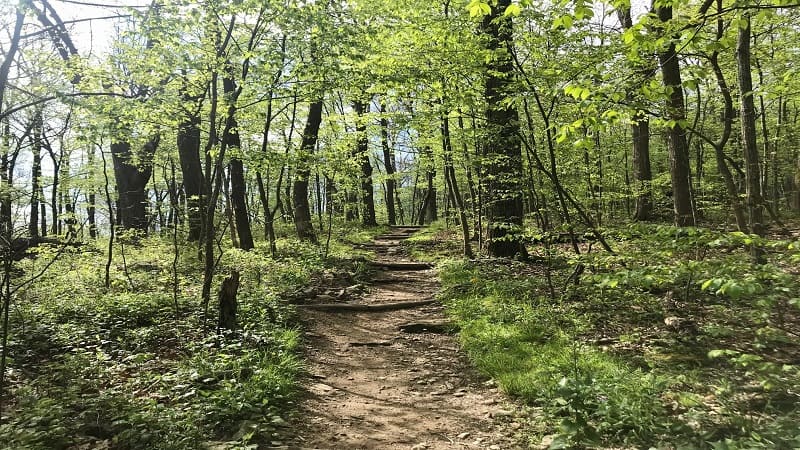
x,y
502,413
489,401
459,394
421,446
463,435
494,447
516,425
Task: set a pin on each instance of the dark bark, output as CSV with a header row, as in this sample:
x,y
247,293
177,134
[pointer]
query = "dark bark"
x,y
502,146
362,153
36,174
676,133
429,210
642,173
452,185
302,209
755,204
91,197
132,182
727,126
228,305
189,155
238,194
388,163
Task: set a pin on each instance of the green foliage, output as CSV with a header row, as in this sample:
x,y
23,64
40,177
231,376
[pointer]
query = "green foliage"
x,y
678,340
123,368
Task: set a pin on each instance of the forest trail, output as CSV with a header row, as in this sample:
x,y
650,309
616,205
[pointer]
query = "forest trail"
x,y
373,386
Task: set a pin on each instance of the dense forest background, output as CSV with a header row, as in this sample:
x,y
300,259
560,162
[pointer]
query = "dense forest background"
x,y
645,158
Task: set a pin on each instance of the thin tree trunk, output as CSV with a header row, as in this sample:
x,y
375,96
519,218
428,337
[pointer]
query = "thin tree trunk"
x,y
749,145
388,163
36,173
452,183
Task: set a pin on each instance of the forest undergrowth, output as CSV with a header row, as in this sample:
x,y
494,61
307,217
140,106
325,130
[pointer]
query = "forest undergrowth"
x,y
678,341
135,366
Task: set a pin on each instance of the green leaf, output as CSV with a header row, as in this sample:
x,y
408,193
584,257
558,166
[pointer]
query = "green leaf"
x,y
513,10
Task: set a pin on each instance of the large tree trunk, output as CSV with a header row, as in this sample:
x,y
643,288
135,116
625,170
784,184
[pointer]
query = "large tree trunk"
x,y
502,146
388,163
362,153
755,202
676,134
302,210
189,154
132,182
238,186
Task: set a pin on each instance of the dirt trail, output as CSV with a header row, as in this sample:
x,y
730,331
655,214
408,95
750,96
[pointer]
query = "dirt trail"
x,y
373,386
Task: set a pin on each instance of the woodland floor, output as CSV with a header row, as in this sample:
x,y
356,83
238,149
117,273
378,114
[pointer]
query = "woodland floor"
x,y
373,386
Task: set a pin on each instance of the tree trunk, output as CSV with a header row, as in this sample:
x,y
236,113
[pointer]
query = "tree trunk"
x,y
36,173
238,193
388,163
189,155
132,183
749,146
302,210
227,302
640,129
362,154
727,127
676,115
429,211
502,145
641,167
452,184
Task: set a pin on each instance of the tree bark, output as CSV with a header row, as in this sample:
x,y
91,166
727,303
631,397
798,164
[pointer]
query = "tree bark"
x,y
452,184
502,146
642,173
388,163
727,127
189,155
228,305
362,153
238,186
755,202
132,182
302,209
676,114
36,173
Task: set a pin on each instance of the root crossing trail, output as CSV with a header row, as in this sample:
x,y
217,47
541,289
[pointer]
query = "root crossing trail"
x,y
374,386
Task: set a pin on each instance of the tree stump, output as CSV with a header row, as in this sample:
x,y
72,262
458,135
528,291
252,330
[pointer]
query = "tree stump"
x,y
227,302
